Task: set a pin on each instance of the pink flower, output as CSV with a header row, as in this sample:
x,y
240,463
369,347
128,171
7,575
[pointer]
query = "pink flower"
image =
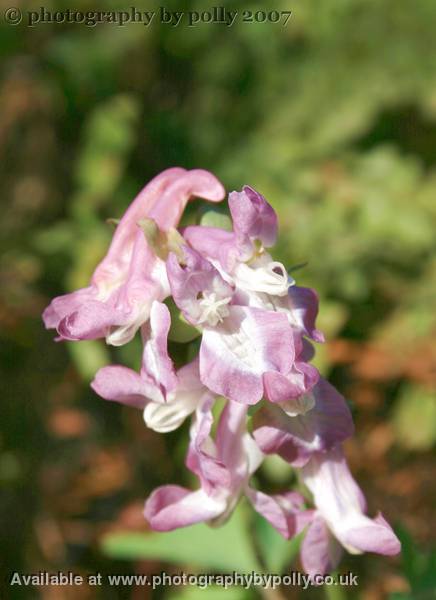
x,y
246,352
295,429
239,344
240,255
257,329
131,276
166,397
224,468
339,516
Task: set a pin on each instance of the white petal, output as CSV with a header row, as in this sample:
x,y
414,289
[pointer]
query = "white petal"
x,y
167,417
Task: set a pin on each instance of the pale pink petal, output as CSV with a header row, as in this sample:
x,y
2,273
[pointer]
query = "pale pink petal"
x,y
296,438
235,354
270,509
120,384
202,458
342,505
300,380
157,366
303,304
198,289
62,306
320,553
145,282
253,216
129,277
93,320
363,534
335,492
298,517
162,199
215,244
189,377
169,207
230,432
171,506
157,377
116,262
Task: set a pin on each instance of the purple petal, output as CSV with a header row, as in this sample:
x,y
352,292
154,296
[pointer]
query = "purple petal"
x,y
330,418
368,535
202,458
120,384
320,553
157,366
92,320
252,216
172,506
303,303
235,354
145,282
191,285
169,208
124,284
229,438
270,509
62,306
307,351
296,438
300,380
215,244
341,504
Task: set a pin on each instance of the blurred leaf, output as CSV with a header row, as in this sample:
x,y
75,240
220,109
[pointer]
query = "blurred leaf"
x,y
199,545
332,317
335,592
418,567
88,356
87,252
276,469
414,418
108,137
212,592
59,238
214,218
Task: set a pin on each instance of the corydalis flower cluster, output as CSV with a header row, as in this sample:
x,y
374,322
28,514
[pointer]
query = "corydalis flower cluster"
x,y
257,329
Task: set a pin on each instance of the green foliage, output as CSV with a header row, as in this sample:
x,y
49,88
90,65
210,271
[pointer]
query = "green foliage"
x,y
414,418
213,593
277,553
88,357
201,546
214,218
419,568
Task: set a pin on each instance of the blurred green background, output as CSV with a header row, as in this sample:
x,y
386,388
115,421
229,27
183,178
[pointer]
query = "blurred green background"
x,y
333,119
